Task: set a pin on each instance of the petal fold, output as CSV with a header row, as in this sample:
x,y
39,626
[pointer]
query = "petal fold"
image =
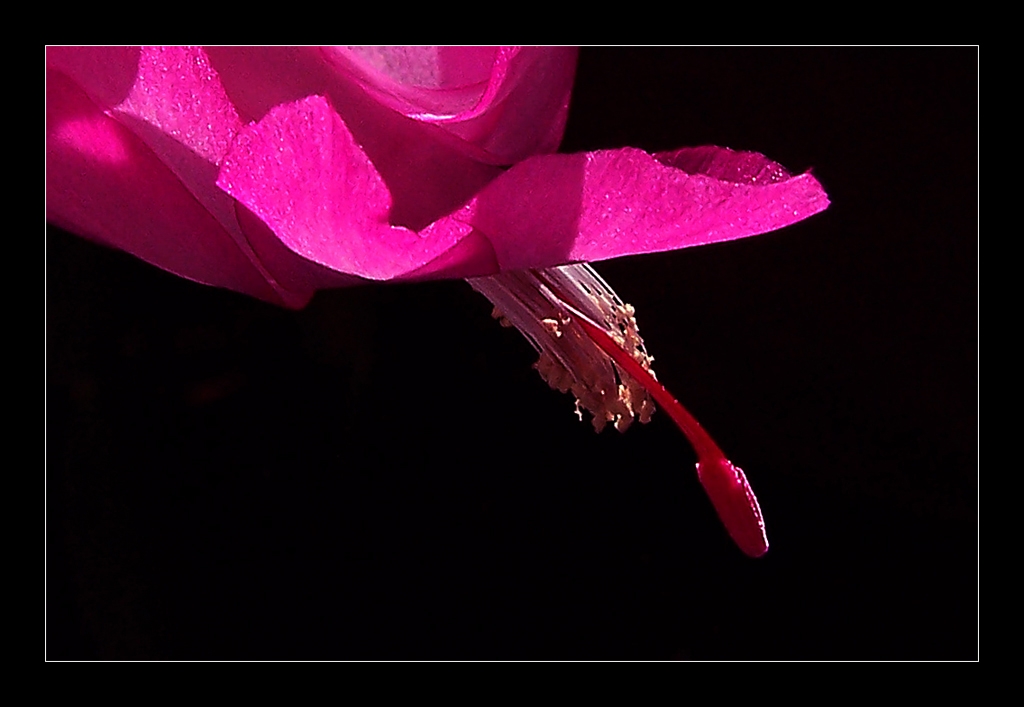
x,y
302,173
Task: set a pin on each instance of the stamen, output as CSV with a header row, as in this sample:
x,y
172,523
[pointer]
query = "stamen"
x,y
568,360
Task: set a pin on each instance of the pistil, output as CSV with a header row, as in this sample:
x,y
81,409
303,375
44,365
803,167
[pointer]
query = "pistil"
x,y
724,482
589,344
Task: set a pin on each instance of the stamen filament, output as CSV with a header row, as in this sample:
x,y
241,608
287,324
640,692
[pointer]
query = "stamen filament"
x,y
725,483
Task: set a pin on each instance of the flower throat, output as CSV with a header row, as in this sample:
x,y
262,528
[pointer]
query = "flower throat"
x,y
589,345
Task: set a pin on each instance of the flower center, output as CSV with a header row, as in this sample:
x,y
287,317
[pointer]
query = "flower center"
x,y
569,360
588,343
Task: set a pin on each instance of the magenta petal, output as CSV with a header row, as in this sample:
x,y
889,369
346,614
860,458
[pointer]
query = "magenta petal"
x,y
725,164
103,182
172,99
178,93
564,208
473,256
105,74
424,81
134,138
503,103
301,172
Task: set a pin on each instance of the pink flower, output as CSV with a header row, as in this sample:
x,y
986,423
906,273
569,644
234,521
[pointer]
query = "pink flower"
x,y
278,172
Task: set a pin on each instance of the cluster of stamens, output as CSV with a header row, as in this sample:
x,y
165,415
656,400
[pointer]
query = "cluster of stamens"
x,y
569,361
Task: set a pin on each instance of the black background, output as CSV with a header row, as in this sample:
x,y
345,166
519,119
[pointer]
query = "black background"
x,y
382,475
